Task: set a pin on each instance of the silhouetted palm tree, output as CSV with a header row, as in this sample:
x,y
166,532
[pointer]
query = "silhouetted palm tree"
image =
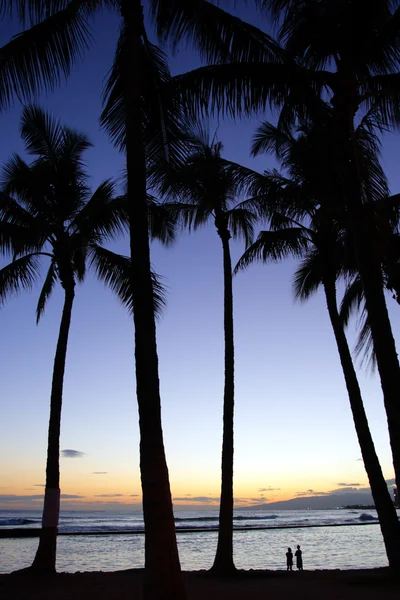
x,y
39,58
313,228
47,211
331,53
205,189
355,52
58,35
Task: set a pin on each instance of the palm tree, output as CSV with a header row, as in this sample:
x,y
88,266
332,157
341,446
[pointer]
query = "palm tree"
x,y
328,52
37,59
205,189
358,60
46,210
323,244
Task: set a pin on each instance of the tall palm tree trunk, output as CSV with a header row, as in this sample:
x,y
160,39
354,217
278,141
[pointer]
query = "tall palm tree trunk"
x,y
369,266
388,520
384,344
223,562
45,559
163,578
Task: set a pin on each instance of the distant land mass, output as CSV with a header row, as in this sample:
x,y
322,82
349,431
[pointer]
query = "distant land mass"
x,y
316,502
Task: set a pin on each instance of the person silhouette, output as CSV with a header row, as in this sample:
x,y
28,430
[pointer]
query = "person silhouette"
x,y
289,559
299,558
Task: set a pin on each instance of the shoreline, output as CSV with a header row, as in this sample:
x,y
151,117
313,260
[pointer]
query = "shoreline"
x,y
366,584
33,532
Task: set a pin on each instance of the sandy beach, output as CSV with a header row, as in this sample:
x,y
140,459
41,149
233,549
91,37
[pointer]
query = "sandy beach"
x,y
200,585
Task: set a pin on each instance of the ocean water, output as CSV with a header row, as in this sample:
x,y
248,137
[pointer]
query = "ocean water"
x,y
330,539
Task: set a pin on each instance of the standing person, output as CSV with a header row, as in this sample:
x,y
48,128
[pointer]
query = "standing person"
x,y
299,558
289,559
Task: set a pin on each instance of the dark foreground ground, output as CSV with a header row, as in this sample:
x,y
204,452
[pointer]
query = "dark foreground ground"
x,y
375,584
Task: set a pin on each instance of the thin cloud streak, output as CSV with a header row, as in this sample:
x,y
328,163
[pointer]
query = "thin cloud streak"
x,y
70,453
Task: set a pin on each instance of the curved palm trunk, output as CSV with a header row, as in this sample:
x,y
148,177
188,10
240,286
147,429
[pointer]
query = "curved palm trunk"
x,y
369,266
389,523
223,562
45,559
163,578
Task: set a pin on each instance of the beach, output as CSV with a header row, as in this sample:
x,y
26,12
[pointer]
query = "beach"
x,y
201,585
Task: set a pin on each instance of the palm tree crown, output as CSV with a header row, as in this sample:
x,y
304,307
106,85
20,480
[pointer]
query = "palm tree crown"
x,y
52,210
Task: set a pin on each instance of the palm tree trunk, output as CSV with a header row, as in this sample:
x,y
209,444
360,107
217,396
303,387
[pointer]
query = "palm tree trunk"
x,y
389,523
163,578
368,265
223,562
45,559
384,344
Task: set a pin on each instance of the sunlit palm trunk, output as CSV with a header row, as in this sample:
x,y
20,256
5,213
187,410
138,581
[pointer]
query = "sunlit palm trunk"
x,y
163,575
45,559
223,562
389,523
345,104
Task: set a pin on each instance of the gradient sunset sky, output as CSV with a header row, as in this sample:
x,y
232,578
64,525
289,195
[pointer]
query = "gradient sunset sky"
x,y
294,432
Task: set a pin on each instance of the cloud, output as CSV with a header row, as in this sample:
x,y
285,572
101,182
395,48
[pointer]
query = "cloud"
x,y
348,489
390,481
39,485
68,453
133,495
71,496
10,498
111,503
269,489
312,493
243,500
109,495
201,499
348,484
99,472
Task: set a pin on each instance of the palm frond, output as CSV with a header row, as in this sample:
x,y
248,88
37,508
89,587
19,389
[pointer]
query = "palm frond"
x,y
218,35
163,221
183,214
365,345
38,58
352,300
244,179
74,144
241,223
17,275
244,88
115,271
270,138
30,184
273,246
41,132
16,240
102,217
46,291
12,212
309,276
79,262
32,12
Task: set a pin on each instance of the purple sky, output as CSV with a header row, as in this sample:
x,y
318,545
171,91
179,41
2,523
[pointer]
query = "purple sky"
x,y
294,430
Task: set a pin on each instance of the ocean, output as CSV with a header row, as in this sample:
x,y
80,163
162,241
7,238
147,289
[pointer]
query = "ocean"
x,y
108,541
